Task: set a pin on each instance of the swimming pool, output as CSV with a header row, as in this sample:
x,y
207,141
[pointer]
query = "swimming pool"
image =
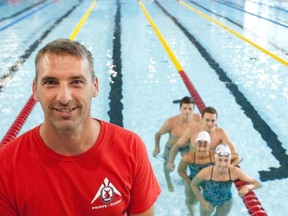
x,y
244,83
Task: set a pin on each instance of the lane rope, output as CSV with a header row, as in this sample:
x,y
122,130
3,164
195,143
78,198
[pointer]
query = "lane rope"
x,y
192,90
250,200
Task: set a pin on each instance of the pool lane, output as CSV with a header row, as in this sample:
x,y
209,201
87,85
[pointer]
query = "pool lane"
x,y
150,83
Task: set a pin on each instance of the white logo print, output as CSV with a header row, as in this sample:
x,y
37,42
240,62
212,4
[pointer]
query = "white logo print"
x,y
106,191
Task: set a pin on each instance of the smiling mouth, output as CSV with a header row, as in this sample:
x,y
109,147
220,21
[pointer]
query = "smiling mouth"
x,y
64,110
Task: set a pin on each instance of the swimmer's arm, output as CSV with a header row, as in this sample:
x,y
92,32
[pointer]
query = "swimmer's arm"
x,y
235,160
251,183
173,152
195,187
180,143
157,144
182,170
254,184
166,127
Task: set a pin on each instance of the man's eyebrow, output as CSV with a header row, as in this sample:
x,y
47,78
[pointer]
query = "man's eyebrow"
x,y
44,78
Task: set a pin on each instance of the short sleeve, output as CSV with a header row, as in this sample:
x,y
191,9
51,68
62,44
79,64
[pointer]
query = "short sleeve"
x,y
145,189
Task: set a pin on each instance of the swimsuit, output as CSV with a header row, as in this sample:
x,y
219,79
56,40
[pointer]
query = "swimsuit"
x,y
195,168
218,192
183,149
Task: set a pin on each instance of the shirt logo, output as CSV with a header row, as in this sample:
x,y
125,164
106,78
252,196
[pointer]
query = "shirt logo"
x,y
106,193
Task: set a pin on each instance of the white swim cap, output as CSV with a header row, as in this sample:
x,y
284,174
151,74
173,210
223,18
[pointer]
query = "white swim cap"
x,y
223,150
203,136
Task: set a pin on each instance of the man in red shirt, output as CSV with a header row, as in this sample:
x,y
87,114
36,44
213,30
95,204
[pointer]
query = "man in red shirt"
x,y
73,164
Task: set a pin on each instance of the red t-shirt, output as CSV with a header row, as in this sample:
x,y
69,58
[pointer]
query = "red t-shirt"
x,y
114,177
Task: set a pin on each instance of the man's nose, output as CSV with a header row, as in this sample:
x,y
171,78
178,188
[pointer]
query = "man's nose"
x,y
64,94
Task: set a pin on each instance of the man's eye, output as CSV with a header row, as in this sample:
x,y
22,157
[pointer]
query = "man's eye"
x,y
49,82
77,82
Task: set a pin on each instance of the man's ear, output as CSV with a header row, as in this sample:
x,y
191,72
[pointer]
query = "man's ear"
x,y
96,87
34,88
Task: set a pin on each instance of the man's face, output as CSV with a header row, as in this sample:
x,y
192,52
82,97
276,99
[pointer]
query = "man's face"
x,y
209,121
65,90
186,110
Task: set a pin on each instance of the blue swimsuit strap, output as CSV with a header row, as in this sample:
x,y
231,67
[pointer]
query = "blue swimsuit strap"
x,y
211,178
194,162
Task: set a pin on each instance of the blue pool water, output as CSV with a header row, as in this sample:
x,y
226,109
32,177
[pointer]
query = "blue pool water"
x,y
245,81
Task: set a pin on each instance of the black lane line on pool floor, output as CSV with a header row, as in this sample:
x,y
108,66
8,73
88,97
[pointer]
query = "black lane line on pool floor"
x,y
16,66
115,94
232,5
22,11
281,49
259,124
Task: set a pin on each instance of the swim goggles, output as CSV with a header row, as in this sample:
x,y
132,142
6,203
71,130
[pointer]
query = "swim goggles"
x,y
226,154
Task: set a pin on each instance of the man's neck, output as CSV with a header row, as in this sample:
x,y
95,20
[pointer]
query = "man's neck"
x,y
185,119
71,143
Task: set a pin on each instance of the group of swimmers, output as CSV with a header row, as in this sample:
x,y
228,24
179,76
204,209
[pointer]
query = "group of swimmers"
x,y
209,159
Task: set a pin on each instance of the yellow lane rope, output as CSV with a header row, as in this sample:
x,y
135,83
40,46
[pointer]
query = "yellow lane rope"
x,y
82,21
161,38
277,58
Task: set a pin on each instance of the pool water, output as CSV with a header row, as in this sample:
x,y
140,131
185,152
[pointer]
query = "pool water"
x,y
244,75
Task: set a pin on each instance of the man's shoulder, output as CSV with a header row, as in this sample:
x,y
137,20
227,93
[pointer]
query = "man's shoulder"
x,y
120,137
197,117
116,129
173,119
219,130
218,134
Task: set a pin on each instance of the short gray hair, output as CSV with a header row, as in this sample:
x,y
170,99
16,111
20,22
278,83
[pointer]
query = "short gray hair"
x,y
65,46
